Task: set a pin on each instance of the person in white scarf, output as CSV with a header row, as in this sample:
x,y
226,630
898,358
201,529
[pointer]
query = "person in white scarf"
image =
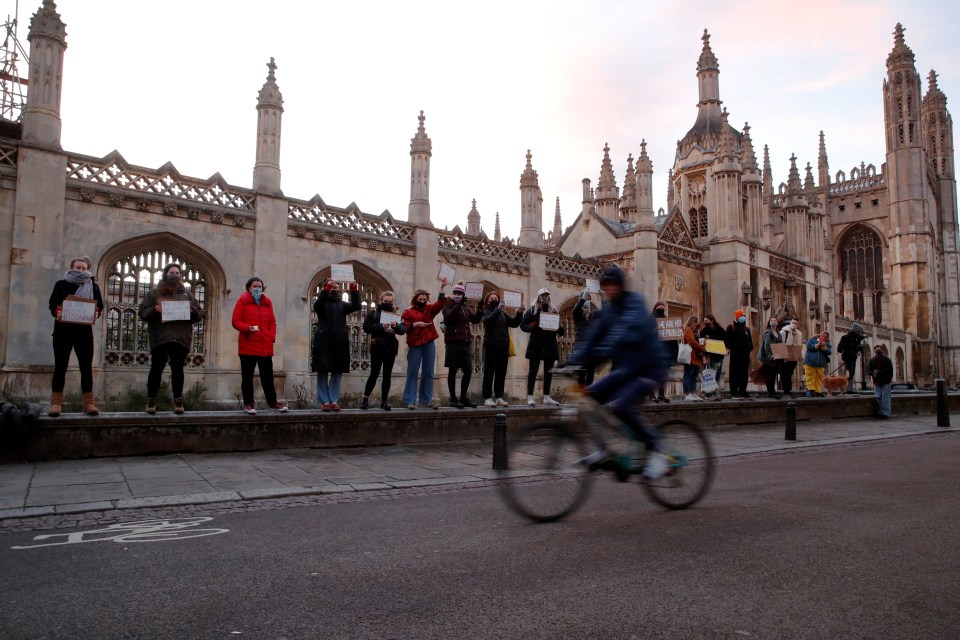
x,y
74,337
791,335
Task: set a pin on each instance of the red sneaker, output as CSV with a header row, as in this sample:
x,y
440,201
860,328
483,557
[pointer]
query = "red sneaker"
x,y
326,406
335,407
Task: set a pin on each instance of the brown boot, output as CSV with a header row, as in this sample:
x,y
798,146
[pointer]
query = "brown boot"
x,y
178,405
88,406
151,406
56,405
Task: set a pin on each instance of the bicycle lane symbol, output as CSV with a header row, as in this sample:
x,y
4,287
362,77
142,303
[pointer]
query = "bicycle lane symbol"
x,y
142,531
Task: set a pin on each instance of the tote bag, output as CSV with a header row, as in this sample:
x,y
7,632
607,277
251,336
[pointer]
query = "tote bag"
x,y
709,378
684,352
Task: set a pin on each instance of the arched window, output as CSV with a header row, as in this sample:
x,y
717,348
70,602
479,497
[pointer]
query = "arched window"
x,y
861,265
565,343
898,363
128,280
694,222
703,223
371,285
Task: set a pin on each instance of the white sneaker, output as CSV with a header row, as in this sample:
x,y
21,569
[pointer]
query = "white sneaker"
x,y
489,402
656,466
531,401
250,409
690,398
502,403
549,400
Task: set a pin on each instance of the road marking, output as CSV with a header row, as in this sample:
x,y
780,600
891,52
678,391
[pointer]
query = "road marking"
x,y
143,531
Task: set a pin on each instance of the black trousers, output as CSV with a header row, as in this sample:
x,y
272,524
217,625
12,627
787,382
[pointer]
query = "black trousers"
x,y
247,366
458,359
547,375
739,369
174,353
80,340
495,361
378,360
770,376
786,375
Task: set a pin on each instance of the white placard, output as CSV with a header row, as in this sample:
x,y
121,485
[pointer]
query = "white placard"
x,y
549,321
447,273
174,310
342,273
386,317
474,290
512,299
78,310
593,286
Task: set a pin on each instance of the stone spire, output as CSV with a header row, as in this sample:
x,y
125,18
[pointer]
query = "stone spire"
x,y
938,129
749,156
266,170
901,55
794,187
587,201
607,194
473,220
48,41
670,195
767,173
420,152
823,166
557,223
706,130
901,92
628,202
809,188
496,228
531,207
708,61
728,143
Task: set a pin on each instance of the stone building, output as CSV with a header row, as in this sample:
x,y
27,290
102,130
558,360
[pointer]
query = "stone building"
x,y
876,246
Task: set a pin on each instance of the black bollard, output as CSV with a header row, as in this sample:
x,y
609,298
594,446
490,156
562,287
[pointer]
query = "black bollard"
x,y
790,432
500,442
943,413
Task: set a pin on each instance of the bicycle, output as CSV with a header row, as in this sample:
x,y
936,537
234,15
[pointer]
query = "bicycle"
x,y
548,476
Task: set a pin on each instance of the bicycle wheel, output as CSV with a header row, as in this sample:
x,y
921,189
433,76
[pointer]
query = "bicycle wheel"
x,y
691,465
555,482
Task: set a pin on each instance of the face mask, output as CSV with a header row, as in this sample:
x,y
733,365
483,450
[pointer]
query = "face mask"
x,y
742,320
256,292
457,297
386,306
773,325
586,304
420,304
493,304
660,312
545,304
173,278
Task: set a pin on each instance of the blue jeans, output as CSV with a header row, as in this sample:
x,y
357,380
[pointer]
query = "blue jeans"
x,y
420,360
622,390
690,373
882,394
328,389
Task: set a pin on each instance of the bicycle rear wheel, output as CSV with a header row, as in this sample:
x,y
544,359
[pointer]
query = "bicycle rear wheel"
x,y
691,465
558,480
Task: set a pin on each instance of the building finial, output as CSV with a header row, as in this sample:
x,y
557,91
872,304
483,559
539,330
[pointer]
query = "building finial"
x,y
272,66
707,58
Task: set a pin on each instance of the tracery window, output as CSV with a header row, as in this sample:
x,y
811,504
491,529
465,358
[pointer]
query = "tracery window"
x,y
898,363
128,280
861,265
698,222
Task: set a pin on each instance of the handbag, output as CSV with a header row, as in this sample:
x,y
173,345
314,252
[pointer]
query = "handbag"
x,y
684,352
709,384
512,349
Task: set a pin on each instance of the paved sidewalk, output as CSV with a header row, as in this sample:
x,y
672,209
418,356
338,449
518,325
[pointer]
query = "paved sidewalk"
x,y
75,486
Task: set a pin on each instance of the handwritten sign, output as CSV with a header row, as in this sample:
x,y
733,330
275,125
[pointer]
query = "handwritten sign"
x,y
670,328
718,347
342,273
78,310
512,299
549,321
593,286
175,310
389,318
787,351
474,290
447,272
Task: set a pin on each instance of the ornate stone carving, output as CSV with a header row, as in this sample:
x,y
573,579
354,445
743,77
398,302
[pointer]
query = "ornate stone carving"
x,y
300,232
86,195
216,217
116,200
143,204
169,209
238,221
193,214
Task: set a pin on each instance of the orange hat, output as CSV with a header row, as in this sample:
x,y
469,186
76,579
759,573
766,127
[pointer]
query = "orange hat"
x,y
738,314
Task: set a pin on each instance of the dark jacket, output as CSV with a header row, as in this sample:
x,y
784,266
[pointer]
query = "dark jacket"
x,y
739,341
627,336
331,342
247,313
60,292
542,345
766,351
457,317
179,331
817,355
880,369
583,323
496,327
851,344
381,340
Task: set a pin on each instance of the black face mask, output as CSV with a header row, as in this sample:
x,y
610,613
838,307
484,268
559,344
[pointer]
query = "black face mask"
x,y
660,313
545,306
493,304
420,304
172,278
386,306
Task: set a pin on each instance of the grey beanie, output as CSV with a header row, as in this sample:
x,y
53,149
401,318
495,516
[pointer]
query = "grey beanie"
x,y
857,328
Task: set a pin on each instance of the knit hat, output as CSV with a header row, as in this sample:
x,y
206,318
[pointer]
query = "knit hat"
x,y
738,314
459,288
612,274
857,328
543,291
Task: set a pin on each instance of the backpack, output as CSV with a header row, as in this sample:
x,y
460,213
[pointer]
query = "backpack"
x,y
844,343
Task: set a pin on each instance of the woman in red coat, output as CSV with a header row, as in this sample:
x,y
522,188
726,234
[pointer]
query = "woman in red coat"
x,y
253,317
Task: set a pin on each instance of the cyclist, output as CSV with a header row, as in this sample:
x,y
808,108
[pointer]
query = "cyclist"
x,y
627,336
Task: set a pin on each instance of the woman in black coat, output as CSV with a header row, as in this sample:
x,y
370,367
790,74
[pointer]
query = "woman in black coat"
x,y
542,347
496,348
331,342
67,336
383,349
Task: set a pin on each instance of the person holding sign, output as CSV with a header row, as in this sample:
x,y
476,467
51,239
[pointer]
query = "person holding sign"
x,y
711,330
73,331
770,364
457,317
331,342
421,350
542,345
253,317
383,325
697,353
740,344
496,348
171,334
671,349
792,336
585,317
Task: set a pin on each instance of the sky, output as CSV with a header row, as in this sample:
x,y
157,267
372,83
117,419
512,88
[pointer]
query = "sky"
x,y
177,81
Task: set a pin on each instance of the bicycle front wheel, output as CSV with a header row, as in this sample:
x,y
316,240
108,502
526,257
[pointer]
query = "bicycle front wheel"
x,y
691,465
547,479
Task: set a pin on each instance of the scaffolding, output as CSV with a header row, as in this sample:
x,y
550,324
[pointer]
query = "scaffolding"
x,y
14,87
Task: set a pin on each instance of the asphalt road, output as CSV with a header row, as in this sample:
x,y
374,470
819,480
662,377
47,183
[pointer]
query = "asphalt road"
x,y
845,542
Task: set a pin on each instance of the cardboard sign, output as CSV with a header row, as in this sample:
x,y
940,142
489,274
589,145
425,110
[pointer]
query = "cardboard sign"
x,y
389,318
174,310
76,310
593,286
512,299
447,273
718,347
549,321
474,291
670,328
342,273
787,351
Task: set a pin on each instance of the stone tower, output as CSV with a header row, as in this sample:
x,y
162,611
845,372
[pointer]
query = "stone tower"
x,y
420,152
608,194
473,220
531,208
266,171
